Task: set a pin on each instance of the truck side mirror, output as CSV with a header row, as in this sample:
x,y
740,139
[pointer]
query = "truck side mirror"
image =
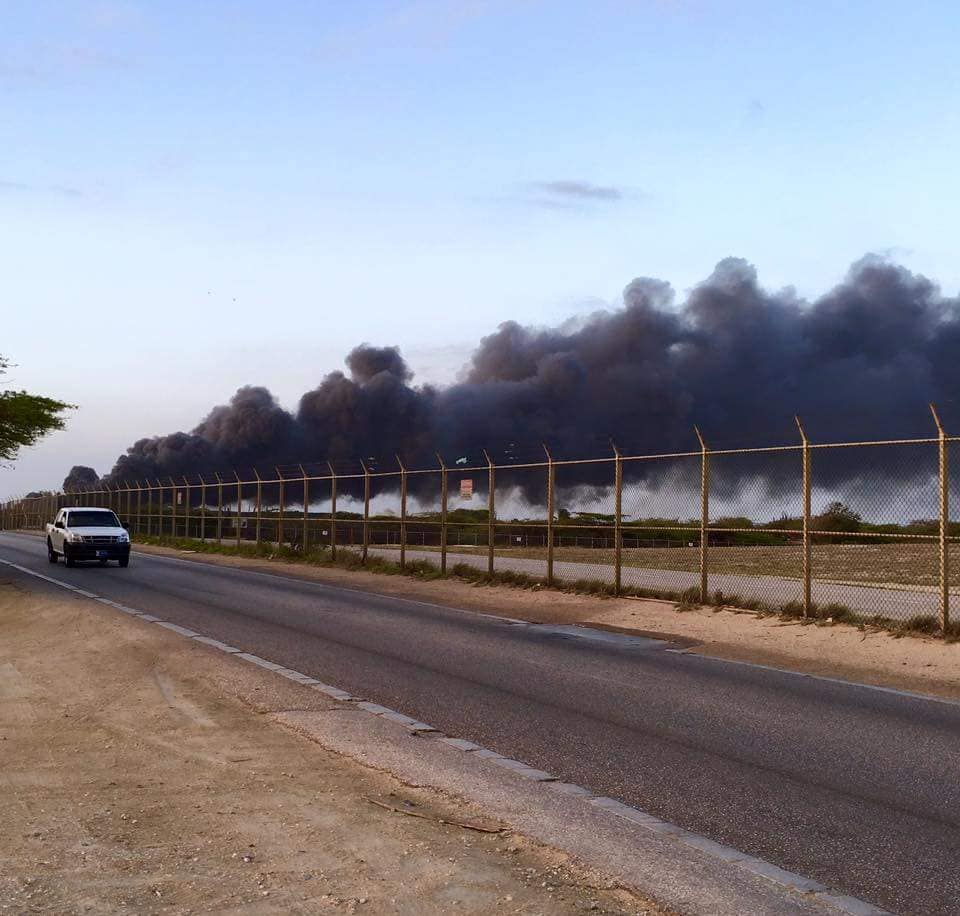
x,y
125,525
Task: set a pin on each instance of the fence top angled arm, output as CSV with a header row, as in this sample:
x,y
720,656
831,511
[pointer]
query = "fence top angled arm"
x,y
547,452
703,444
936,419
803,433
443,465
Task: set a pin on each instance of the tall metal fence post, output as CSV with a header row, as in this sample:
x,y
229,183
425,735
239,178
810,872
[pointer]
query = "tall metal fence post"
x,y
366,513
219,508
149,508
807,553
403,514
187,506
443,514
333,512
306,510
151,512
550,495
173,508
704,516
491,510
944,524
617,520
139,507
239,504
203,509
259,505
280,503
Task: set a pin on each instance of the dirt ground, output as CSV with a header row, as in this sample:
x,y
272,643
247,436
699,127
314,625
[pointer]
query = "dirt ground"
x,y
871,656
142,773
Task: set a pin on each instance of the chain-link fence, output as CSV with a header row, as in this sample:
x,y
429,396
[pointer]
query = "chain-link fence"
x,y
860,531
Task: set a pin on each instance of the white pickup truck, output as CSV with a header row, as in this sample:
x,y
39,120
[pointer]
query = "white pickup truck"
x,y
82,533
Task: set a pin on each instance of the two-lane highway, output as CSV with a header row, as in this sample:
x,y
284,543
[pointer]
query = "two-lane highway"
x,y
855,787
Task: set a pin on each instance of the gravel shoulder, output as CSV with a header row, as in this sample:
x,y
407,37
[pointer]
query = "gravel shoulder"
x,y
144,773
871,656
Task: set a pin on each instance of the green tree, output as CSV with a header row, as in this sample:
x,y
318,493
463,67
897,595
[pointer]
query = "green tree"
x,y
25,418
837,516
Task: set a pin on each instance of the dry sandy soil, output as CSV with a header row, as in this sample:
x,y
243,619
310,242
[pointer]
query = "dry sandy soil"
x,y
869,655
142,773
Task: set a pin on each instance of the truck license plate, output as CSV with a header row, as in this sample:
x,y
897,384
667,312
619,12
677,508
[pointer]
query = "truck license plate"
x,y
101,553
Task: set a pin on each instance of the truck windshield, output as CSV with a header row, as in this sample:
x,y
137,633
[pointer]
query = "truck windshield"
x,y
92,519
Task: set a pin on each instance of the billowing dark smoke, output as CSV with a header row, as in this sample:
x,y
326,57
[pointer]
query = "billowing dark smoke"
x,y
862,361
81,478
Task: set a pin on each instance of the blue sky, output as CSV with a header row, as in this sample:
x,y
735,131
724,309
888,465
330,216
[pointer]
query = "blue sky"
x,y
194,196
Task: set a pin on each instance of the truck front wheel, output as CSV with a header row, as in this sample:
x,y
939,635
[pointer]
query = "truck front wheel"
x,y
51,553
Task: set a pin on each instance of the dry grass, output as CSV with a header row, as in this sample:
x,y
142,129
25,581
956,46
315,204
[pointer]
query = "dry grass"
x,y
906,563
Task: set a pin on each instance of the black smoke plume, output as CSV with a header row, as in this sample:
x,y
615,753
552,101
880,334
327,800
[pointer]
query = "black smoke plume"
x,y
81,478
860,362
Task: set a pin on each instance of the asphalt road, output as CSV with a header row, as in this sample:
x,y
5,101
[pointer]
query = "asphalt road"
x,y
901,602
855,787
